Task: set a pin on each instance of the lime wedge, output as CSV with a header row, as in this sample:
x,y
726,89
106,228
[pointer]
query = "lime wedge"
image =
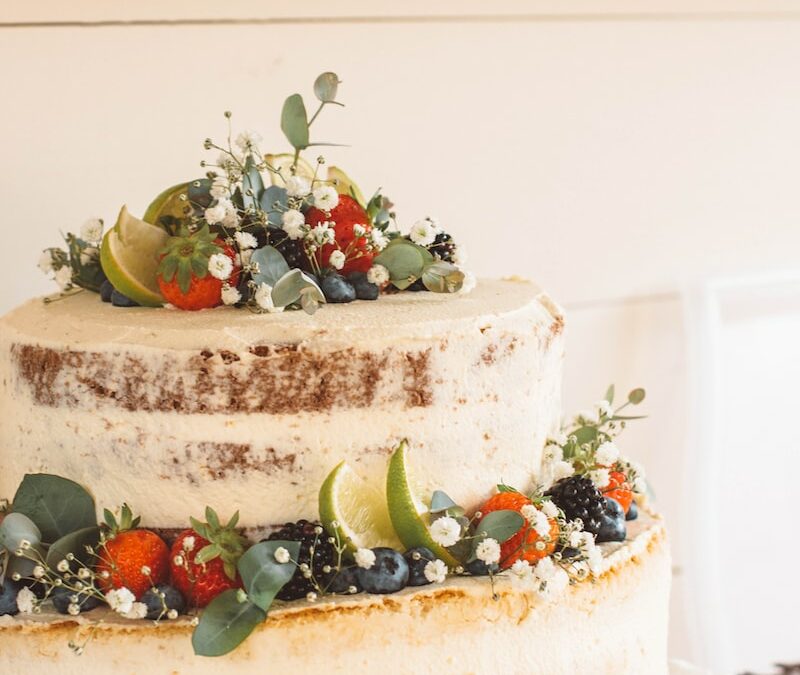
x,y
168,203
130,256
283,163
345,185
409,514
355,511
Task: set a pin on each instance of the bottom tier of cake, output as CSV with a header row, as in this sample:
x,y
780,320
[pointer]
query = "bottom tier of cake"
x,y
615,625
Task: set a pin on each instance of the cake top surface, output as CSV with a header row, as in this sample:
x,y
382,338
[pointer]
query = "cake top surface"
x,y
82,320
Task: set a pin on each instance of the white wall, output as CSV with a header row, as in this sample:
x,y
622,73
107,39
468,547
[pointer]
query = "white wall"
x,y
617,152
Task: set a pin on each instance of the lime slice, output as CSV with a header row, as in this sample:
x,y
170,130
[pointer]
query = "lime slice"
x,y
130,256
168,203
283,163
355,511
345,185
409,514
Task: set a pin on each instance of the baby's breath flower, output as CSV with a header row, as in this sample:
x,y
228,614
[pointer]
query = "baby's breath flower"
x,y
246,140
549,508
423,232
600,477
73,609
377,239
138,610
245,240
220,266
63,277
62,566
562,470
337,260
293,223
378,275
282,555
365,558
607,454
26,601
488,551
46,261
263,298
230,296
435,571
445,531
120,600
38,572
92,230
325,197
297,186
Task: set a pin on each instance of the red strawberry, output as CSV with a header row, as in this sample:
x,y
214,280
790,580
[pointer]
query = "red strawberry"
x,y
134,558
203,559
345,216
520,546
183,276
619,489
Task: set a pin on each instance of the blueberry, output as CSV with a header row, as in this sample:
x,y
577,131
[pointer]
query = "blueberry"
x,y
157,607
612,522
478,568
337,289
417,286
417,558
8,597
63,598
344,580
106,290
364,289
120,300
568,552
633,512
389,574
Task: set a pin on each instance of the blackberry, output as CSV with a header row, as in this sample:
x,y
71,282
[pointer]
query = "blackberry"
x,y
579,497
292,250
311,535
443,247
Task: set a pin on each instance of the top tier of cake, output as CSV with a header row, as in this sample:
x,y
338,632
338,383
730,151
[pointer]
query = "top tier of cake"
x,y
172,411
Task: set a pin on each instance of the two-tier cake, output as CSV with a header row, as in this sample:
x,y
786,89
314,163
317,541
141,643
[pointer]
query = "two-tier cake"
x,y
378,479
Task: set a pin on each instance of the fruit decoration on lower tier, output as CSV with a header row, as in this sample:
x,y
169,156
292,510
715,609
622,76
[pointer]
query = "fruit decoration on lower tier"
x,y
264,231
54,556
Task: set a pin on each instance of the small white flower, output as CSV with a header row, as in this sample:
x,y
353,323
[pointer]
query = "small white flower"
x,y
92,230
172,614
562,470
84,573
549,508
38,572
607,454
297,186
359,231
216,214
337,260
435,571
282,555
230,296
246,140
46,261
594,559
64,277
552,579
245,240
220,266
325,197
178,560
220,189
62,566
378,275
263,298
378,240
469,283
600,477
26,601
575,539
459,256
522,570
529,512
293,222
120,600
73,609
245,257
322,234
146,570
365,558
445,531
488,551
138,610
423,232
89,255
541,524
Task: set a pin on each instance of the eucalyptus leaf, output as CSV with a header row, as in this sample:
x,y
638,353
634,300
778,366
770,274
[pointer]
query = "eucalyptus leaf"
x,y
294,122
499,525
311,297
263,576
252,184
585,434
609,394
636,396
75,543
24,565
272,266
16,528
326,86
628,417
442,277
57,505
291,286
274,194
441,502
225,624
404,260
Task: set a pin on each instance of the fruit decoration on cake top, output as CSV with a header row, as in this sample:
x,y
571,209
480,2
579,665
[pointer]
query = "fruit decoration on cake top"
x,y
264,231
55,557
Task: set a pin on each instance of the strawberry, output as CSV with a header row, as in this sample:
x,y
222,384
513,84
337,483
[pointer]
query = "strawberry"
x,y
129,556
347,214
204,559
520,545
619,489
183,275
